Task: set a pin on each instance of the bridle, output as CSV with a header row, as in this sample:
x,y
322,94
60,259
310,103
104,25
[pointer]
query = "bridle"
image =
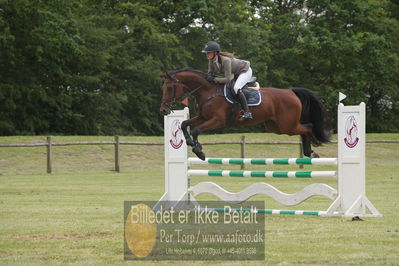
x,y
172,102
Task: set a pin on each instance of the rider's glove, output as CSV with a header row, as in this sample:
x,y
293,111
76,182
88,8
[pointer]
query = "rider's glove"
x,y
210,78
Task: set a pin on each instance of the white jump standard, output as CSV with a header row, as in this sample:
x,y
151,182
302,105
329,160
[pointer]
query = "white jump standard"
x,y
348,201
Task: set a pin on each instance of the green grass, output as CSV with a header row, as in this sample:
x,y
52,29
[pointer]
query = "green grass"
x,y
75,215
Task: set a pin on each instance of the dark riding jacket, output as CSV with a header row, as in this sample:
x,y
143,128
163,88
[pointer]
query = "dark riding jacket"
x,y
229,66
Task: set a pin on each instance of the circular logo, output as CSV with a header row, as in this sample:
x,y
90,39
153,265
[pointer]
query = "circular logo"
x,y
140,232
351,138
176,134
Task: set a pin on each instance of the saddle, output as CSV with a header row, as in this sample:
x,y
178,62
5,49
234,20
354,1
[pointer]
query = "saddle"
x,y
250,90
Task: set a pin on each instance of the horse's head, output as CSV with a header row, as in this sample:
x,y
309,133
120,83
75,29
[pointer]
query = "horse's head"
x,y
181,83
172,93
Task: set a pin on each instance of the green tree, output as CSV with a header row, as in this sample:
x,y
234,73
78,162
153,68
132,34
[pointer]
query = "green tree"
x,y
330,46
350,47
92,66
34,64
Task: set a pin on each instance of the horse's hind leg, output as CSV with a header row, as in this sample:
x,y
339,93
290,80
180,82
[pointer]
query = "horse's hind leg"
x,y
306,143
303,130
306,136
306,147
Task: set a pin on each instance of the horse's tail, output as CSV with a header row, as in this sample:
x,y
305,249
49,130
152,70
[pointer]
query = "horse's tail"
x,y
313,112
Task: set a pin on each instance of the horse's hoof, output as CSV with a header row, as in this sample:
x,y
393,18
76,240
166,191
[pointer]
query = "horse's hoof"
x,y
196,150
314,155
196,147
190,142
201,155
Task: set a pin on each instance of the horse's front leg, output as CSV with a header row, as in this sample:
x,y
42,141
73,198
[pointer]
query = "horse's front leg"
x,y
207,125
184,126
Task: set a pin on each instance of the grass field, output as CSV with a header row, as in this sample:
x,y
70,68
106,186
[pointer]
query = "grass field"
x,y
75,215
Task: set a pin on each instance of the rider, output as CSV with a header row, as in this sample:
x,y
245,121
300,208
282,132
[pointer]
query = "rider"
x,y
226,63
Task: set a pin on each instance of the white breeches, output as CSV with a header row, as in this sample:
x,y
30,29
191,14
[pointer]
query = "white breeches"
x,y
243,79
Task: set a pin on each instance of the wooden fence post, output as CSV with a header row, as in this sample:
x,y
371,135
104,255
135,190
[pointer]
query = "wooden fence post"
x,y
242,150
117,165
49,154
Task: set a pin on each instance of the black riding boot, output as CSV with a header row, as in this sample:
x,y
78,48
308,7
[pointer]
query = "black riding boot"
x,y
247,114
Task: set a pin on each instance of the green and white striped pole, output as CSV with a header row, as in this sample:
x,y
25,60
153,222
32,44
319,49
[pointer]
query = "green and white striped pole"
x,y
265,161
273,174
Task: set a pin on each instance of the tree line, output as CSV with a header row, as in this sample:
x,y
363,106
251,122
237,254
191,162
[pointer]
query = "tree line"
x,y
92,67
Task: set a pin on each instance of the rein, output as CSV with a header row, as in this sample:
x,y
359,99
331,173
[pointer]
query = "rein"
x,y
173,101
191,93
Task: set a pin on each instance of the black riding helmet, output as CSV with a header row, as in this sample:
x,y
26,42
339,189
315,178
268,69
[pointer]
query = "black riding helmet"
x,y
211,47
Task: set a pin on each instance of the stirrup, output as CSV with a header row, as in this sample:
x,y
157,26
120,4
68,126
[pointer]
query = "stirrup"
x,y
246,116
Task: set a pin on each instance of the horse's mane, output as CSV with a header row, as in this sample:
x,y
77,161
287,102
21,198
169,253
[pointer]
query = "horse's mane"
x,y
187,69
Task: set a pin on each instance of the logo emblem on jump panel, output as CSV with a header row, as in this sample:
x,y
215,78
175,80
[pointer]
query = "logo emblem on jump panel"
x,y
351,138
176,133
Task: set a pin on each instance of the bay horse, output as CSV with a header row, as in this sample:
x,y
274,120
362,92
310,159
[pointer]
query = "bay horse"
x,y
295,111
